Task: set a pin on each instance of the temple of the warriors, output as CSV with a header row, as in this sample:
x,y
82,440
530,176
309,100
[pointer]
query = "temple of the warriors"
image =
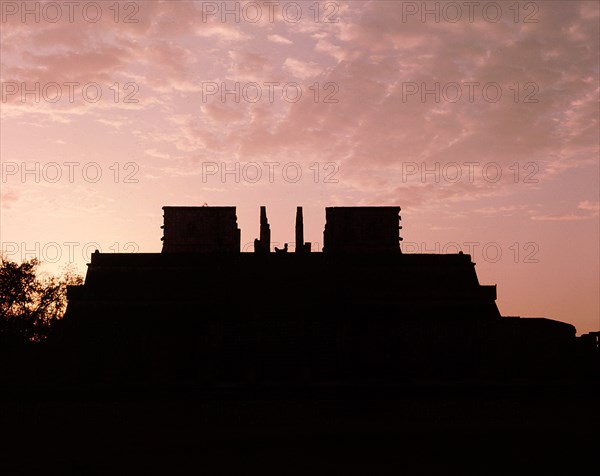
x,y
358,310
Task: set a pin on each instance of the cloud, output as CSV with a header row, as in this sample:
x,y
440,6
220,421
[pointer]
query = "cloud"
x,y
222,31
156,154
587,210
301,69
112,122
367,60
247,66
593,207
568,217
279,39
8,198
338,52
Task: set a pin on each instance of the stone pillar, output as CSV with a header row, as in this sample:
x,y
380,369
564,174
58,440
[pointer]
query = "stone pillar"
x,y
263,244
299,231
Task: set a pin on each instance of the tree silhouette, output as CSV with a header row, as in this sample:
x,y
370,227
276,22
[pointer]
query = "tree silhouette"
x,y
31,301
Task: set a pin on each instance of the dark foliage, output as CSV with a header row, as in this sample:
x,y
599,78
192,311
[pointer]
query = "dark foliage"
x,y
30,300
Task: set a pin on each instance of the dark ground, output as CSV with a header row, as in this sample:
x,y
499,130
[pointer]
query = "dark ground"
x,y
425,428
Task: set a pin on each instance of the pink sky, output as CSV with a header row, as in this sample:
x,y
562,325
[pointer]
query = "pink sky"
x,y
479,120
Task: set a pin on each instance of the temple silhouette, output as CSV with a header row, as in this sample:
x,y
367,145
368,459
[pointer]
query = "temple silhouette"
x,y
352,359
358,311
